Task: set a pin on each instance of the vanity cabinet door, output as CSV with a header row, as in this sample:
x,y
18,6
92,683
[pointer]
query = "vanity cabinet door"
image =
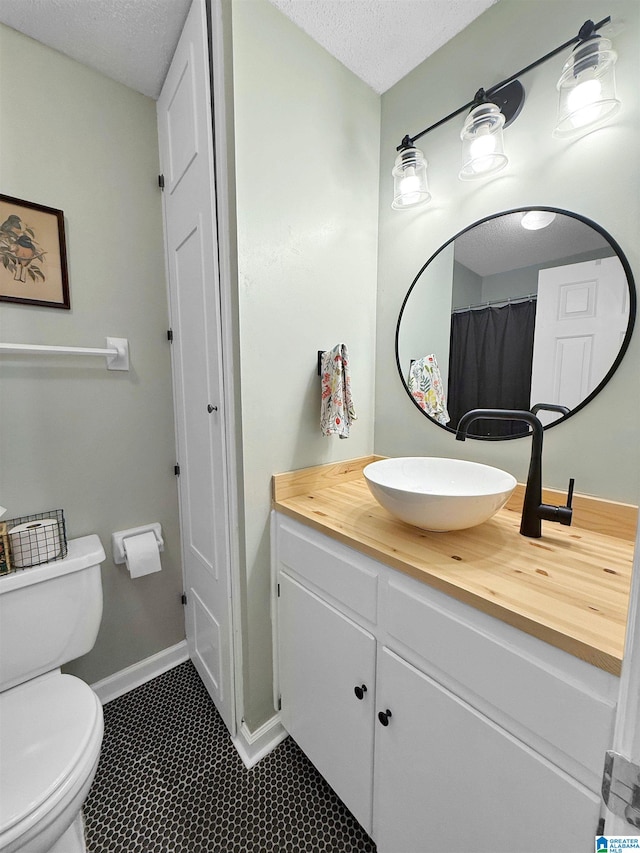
x,y
448,778
323,658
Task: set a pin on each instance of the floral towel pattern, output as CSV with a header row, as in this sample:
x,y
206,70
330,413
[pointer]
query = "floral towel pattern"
x,y
337,410
425,386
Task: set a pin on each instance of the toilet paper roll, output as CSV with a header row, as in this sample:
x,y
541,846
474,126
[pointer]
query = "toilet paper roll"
x,y
142,554
34,542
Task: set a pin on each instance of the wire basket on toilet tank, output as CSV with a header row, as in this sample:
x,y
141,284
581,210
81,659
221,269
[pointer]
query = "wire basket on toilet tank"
x,y
36,539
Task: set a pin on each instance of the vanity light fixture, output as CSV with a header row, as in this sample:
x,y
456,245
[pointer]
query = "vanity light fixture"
x,y
587,97
587,88
534,220
410,186
482,143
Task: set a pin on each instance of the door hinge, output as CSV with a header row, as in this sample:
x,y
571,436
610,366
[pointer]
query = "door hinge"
x,y
279,703
176,470
161,181
183,598
278,590
621,787
170,335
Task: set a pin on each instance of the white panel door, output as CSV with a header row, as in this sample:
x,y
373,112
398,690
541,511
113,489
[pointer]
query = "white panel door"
x,y
327,686
581,319
186,152
447,778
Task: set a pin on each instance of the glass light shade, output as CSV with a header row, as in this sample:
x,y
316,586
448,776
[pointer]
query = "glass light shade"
x,y
534,220
410,186
482,143
587,88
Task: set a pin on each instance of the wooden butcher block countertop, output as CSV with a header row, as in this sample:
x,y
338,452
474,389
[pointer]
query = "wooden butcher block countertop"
x,y
569,588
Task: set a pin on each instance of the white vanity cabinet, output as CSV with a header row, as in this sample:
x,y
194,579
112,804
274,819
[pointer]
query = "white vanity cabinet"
x,y
471,736
446,777
327,689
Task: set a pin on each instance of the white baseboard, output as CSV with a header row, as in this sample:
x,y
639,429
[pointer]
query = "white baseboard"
x,y
252,746
139,673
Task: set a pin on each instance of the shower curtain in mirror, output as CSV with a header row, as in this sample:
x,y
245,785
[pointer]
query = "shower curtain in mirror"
x,y
490,364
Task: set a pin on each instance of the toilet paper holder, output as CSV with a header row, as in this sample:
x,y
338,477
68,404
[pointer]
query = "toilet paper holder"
x,y
118,538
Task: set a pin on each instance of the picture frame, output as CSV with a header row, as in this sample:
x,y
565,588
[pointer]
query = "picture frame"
x,y
33,254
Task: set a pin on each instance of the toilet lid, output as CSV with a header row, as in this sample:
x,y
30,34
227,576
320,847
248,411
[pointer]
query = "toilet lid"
x,y
47,728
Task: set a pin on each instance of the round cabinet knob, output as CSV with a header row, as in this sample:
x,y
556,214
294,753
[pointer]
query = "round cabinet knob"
x,y
360,691
384,717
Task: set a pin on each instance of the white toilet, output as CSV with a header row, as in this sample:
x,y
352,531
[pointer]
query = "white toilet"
x,y
50,724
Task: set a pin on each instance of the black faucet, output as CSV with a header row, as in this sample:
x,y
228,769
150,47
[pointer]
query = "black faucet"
x,y
550,407
533,510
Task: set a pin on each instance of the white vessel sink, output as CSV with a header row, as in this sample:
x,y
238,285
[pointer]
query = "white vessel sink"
x,y
439,494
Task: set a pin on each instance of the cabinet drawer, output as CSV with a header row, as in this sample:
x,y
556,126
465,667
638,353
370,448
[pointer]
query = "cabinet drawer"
x,y
564,701
331,568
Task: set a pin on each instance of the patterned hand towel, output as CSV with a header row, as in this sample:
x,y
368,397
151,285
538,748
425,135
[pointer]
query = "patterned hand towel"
x,y
425,386
337,410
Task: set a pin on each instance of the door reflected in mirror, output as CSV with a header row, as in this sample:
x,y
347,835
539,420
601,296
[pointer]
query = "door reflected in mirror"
x,y
510,317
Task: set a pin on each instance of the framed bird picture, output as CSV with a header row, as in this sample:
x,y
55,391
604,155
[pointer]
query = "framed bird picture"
x,y
33,255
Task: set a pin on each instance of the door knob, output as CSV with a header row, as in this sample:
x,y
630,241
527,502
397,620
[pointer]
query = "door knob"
x,y
360,691
211,408
384,717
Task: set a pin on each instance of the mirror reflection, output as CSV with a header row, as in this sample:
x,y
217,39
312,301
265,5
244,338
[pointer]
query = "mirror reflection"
x,y
528,309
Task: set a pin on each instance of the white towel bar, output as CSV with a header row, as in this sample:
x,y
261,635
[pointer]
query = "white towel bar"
x,y
116,352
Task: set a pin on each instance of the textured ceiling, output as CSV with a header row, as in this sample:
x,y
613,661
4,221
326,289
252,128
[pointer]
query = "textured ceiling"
x,y
502,244
381,41
132,41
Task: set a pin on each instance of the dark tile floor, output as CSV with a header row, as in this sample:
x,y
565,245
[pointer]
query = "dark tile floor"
x,y
171,781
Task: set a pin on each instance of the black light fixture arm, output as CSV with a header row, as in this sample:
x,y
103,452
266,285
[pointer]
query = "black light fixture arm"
x,y
587,31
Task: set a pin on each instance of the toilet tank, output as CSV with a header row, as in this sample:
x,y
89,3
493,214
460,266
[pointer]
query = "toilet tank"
x,y
50,614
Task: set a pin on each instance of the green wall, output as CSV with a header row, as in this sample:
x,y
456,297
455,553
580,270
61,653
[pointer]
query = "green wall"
x,y
597,176
97,443
306,152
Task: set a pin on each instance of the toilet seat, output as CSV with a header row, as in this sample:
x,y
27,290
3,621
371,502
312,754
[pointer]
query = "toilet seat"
x,y
50,738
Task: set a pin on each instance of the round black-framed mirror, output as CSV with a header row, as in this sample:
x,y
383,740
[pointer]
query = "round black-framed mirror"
x,y
505,316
